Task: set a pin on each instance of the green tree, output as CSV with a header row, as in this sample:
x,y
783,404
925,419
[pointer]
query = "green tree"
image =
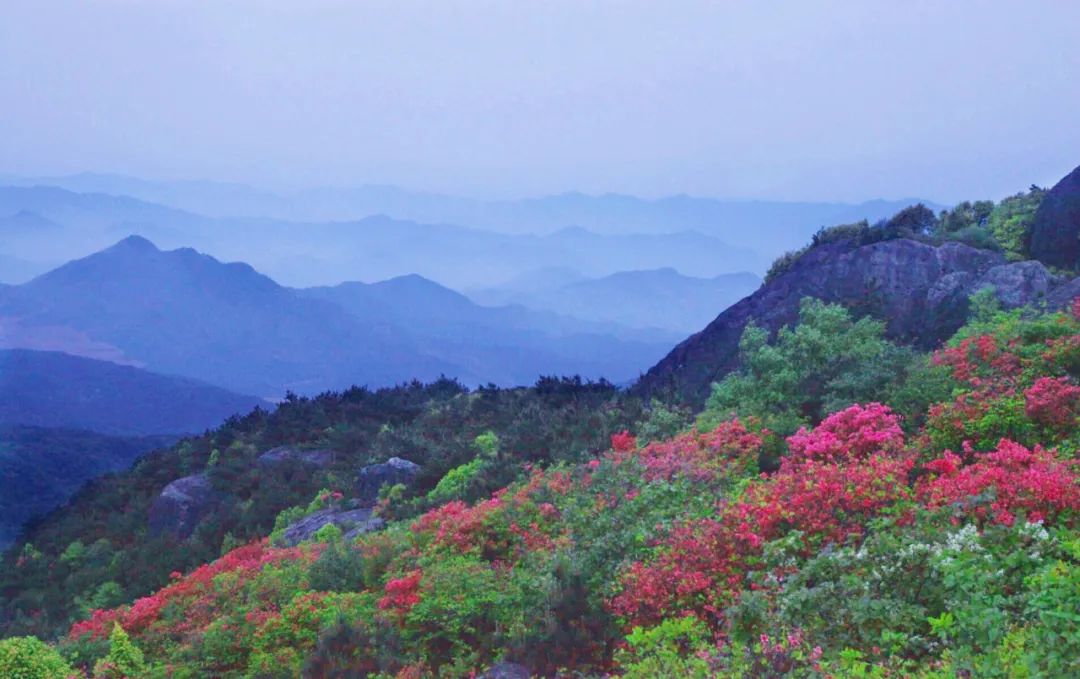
x,y
124,659
966,215
31,658
825,363
1010,222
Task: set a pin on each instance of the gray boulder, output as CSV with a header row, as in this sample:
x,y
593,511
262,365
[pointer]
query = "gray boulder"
x,y
390,473
181,505
352,523
1062,297
1019,283
317,458
506,670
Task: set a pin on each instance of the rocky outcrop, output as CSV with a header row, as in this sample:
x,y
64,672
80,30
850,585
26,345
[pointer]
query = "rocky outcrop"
x,y
921,291
1055,233
181,505
373,477
282,454
506,670
353,522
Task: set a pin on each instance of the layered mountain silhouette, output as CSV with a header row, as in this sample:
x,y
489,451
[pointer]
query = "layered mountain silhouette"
x,y
769,227
324,236
660,298
183,313
377,246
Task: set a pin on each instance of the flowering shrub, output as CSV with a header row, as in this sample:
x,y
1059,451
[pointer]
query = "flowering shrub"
x,y
826,502
697,570
1053,402
699,566
623,442
196,592
401,593
677,558
854,432
1031,481
976,359
728,449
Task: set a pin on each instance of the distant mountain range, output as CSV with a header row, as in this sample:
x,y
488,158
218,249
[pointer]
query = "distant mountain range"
x,y
371,248
324,236
756,224
184,313
657,298
52,389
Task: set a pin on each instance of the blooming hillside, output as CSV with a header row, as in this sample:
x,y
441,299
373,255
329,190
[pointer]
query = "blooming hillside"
x,y
876,548
929,530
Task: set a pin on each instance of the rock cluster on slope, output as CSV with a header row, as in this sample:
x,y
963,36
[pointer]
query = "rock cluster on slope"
x,y
921,291
390,473
181,505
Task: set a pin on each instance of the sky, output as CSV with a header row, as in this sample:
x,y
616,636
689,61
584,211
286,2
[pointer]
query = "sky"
x,y
770,100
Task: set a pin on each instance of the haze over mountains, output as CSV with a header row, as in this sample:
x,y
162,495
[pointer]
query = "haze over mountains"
x,y
745,223
642,299
326,236
184,313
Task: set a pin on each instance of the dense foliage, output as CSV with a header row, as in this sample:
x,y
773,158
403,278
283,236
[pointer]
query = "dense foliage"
x,y
40,468
99,551
922,525
826,362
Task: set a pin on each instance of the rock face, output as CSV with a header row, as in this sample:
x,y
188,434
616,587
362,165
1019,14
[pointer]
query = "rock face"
x,y
281,454
1055,234
919,290
389,473
352,523
181,505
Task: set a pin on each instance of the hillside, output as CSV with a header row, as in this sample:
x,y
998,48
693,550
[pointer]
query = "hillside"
x,y
52,389
921,291
40,468
609,557
914,271
433,425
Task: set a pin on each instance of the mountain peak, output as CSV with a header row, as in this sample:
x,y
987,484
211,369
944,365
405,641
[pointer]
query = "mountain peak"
x,y
135,243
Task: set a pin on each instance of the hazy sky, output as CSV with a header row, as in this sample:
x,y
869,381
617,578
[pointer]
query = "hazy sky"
x,y
793,100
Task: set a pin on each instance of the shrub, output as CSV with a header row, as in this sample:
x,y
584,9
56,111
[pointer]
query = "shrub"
x,y
825,363
1010,479
672,648
123,660
31,658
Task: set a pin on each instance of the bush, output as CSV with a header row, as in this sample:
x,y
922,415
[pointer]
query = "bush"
x,y
123,660
825,363
1010,222
669,649
31,658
